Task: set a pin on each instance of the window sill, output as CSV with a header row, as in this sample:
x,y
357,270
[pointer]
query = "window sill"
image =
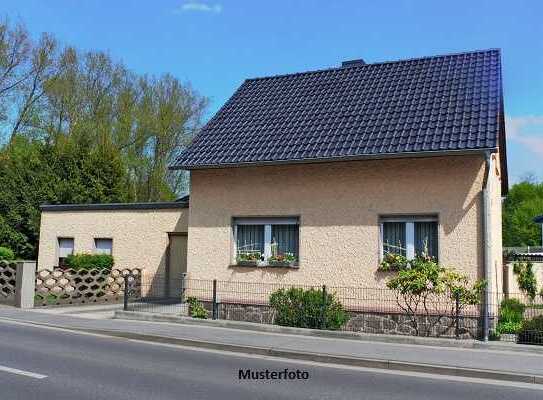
x,y
283,266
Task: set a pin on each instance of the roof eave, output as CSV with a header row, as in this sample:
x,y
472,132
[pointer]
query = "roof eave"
x,y
114,206
421,154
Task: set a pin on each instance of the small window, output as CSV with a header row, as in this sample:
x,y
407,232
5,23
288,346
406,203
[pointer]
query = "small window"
x,y
267,239
65,248
103,246
410,236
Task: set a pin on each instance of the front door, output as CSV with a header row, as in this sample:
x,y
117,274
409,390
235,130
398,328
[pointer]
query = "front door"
x,y
177,262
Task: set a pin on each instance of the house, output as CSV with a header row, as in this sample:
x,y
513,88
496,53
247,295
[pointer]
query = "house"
x,y
312,177
341,165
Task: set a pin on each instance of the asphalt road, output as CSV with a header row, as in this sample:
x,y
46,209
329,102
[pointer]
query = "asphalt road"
x,y
40,363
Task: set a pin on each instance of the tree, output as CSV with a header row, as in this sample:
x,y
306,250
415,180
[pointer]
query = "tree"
x,y
34,173
57,94
425,288
524,202
78,127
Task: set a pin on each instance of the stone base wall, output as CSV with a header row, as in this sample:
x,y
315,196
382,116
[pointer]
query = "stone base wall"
x,y
366,322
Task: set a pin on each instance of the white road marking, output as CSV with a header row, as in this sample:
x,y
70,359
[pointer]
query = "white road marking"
x,y
21,372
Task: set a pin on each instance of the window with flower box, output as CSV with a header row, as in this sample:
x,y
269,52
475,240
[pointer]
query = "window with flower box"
x,y
266,241
409,236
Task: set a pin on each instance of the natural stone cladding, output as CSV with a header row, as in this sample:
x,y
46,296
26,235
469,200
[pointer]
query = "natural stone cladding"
x,y
365,322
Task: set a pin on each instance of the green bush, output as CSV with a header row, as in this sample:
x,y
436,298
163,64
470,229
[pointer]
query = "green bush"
x,y
531,331
196,309
89,261
306,309
508,327
510,316
511,310
6,254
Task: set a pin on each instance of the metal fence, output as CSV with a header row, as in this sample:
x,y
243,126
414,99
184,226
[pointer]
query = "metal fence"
x,y
365,310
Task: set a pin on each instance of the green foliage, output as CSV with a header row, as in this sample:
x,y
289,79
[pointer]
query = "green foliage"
x,y
423,287
78,127
508,327
282,258
524,202
531,331
511,310
196,309
511,316
393,262
6,254
526,279
34,173
89,261
306,309
249,256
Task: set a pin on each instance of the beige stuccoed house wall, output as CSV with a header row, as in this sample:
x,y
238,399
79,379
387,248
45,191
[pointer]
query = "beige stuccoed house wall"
x,y
140,237
339,205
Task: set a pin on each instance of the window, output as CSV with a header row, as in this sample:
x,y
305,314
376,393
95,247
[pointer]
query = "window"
x,y
103,246
65,248
409,236
267,237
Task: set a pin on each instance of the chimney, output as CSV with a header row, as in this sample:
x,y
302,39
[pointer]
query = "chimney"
x,y
353,63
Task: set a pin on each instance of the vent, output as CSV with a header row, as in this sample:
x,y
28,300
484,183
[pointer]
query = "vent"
x,y
352,63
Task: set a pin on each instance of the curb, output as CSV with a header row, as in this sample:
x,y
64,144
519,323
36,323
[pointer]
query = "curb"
x,y
323,358
381,338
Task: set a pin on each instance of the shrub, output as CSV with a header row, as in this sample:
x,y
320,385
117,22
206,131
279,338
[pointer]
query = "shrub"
x,y
89,261
526,279
6,254
508,327
306,309
511,310
422,288
196,309
531,331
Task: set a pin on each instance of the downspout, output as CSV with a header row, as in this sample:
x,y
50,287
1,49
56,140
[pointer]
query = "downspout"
x,y
487,245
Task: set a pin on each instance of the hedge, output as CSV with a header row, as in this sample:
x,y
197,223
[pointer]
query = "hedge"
x,y
89,261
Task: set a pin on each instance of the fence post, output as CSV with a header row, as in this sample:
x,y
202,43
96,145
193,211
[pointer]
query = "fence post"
x,y
25,284
323,308
125,305
486,315
457,304
183,286
214,306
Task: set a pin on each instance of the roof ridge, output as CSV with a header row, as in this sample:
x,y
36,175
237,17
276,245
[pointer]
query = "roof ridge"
x,y
372,64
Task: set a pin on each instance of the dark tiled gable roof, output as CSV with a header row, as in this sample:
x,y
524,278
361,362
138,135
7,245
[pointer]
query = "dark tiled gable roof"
x,y
433,104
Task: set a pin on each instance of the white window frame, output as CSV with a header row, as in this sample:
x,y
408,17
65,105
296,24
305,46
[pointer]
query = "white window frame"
x,y
267,222
59,238
102,238
409,221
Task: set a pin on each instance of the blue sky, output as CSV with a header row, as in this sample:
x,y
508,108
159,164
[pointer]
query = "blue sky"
x,y
216,44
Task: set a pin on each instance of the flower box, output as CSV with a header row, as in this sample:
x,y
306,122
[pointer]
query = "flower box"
x,y
247,263
281,263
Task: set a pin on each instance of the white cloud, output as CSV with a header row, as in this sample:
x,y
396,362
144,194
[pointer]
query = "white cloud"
x,y
199,7
527,130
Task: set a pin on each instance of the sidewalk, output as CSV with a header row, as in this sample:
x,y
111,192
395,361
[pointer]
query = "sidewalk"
x,y
527,367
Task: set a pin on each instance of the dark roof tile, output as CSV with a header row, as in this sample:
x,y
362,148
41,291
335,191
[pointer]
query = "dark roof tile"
x,y
440,103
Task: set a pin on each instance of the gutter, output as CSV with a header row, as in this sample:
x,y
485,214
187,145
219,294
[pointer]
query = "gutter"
x,y
486,243
317,160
